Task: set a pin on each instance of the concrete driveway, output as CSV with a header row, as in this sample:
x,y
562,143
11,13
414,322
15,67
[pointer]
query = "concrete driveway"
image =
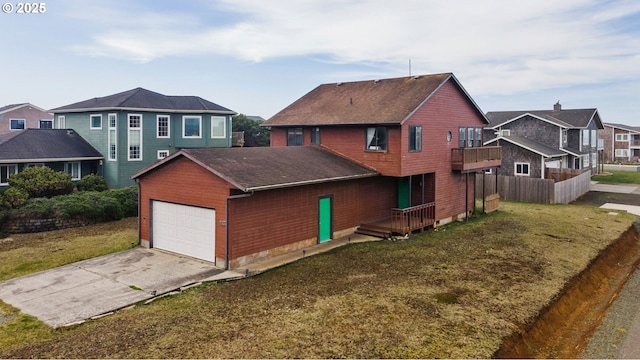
x,y
89,288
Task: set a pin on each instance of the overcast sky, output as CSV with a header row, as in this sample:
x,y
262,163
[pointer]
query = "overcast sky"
x,y
258,56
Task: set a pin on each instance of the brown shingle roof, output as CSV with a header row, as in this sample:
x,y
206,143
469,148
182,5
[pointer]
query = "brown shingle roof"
x,y
386,101
262,168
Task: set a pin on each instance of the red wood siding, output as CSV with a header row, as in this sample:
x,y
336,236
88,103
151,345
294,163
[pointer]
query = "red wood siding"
x,y
184,182
273,218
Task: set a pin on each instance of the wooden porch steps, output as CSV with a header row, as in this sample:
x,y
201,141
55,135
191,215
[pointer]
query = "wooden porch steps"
x,y
375,230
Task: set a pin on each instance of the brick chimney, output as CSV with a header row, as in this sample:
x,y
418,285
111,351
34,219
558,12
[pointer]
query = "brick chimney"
x,y
557,106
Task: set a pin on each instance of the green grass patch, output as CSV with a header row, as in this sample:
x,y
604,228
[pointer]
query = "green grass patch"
x,y
23,254
618,177
134,287
368,300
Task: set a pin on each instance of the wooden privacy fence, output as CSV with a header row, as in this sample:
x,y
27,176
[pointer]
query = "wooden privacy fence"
x,y
540,191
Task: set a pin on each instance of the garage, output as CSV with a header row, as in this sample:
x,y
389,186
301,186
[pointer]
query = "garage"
x,y
186,230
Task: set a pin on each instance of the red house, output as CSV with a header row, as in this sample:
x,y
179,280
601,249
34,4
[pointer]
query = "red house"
x,y
381,156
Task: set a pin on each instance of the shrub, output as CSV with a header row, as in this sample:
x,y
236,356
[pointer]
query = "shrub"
x,y
14,197
92,182
128,198
41,181
92,205
37,208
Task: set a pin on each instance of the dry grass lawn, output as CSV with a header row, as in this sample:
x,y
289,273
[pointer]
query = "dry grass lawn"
x,y
451,293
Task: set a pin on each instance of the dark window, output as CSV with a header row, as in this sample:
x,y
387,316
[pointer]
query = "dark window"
x,y
46,124
462,141
294,137
415,138
478,138
377,138
315,135
17,124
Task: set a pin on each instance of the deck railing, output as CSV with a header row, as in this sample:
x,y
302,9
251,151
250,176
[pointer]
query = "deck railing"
x,y
475,158
404,221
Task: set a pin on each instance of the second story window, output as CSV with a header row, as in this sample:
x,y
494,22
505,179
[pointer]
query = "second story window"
x,y
471,136
192,127
585,137
162,126
415,138
96,121
622,137
218,127
46,124
315,135
16,124
376,138
564,136
294,137
135,137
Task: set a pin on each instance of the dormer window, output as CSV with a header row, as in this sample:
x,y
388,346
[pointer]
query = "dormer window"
x,y
376,138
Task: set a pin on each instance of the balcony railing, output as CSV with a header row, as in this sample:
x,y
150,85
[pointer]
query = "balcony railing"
x,y
404,221
476,158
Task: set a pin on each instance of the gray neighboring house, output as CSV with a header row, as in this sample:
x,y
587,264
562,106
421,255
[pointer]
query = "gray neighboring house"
x,y
59,149
536,140
135,128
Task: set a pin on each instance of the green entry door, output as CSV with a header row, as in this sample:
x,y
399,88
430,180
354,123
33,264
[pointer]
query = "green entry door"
x,y
324,219
403,193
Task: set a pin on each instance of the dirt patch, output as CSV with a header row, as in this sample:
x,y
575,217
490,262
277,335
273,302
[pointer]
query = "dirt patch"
x,y
564,327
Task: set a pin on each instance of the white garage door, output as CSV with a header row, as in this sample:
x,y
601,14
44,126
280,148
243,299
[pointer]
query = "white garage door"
x,y
186,230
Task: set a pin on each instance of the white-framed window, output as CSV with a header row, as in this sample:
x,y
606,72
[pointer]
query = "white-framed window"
x,y
16,124
162,127
594,160
622,137
564,135
73,169
134,137
162,154
488,171
113,137
218,127
585,161
585,137
594,138
521,169
95,121
622,153
46,124
61,124
192,127
6,171
505,132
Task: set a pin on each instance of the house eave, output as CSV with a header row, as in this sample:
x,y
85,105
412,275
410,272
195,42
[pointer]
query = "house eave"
x,y
306,182
44,160
174,111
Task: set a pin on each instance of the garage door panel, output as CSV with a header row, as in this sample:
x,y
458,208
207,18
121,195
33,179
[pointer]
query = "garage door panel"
x,y
183,229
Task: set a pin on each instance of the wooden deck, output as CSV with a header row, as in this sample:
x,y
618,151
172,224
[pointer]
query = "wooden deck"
x,y
401,221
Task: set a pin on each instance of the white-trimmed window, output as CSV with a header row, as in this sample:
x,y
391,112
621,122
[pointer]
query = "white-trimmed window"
x,y
565,133
594,160
46,124
6,171
585,137
61,122
521,169
218,127
192,127
113,137
585,161
134,137
95,121
622,137
505,132
73,169
16,124
162,126
594,138
162,154
622,153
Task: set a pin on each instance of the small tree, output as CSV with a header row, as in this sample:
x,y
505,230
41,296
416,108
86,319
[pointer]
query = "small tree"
x,y
14,197
254,134
41,181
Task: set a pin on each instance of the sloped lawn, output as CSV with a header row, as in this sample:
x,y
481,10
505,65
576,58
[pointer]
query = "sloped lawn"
x,y
451,293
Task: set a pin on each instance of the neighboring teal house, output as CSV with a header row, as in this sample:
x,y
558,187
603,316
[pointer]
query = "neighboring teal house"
x,y
136,128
